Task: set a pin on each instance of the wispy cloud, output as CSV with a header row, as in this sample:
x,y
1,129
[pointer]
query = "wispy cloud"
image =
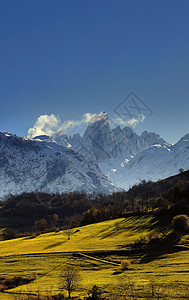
x,y
131,122
49,124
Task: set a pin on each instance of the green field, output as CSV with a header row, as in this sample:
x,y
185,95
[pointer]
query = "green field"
x,y
97,250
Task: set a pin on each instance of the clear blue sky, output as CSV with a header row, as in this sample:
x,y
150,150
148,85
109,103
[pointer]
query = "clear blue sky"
x,y
71,57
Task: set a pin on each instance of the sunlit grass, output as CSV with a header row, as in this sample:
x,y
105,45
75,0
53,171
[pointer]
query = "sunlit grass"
x,y
108,235
97,251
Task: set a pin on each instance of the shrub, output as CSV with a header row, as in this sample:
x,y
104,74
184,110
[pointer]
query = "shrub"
x,y
181,223
142,241
57,297
8,283
125,264
41,225
7,234
95,293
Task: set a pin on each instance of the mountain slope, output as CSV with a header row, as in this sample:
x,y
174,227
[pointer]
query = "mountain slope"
x,y
42,164
156,162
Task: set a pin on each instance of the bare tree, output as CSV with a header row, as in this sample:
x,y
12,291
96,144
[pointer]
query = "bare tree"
x,y
69,231
70,279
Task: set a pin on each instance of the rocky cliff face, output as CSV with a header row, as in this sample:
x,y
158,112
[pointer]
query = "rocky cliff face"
x,y
105,143
126,157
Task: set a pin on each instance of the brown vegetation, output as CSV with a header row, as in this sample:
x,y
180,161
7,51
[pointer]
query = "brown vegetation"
x,y
125,264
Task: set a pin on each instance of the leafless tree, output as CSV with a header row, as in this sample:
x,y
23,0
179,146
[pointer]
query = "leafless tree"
x,y
69,231
69,279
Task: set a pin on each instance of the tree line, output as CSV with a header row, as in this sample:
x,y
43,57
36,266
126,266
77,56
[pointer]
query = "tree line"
x,y
74,209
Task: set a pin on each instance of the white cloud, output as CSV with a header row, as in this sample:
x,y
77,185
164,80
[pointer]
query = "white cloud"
x,y
45,125
48,124
131,122
91,118
85,120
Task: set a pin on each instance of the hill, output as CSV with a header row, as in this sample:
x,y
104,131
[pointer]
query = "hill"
x,y
97,251
166,197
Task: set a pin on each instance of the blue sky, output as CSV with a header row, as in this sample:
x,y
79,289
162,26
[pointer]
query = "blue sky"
x,y
68,58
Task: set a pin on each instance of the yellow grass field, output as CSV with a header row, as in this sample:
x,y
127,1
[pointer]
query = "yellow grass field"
x,y
97,251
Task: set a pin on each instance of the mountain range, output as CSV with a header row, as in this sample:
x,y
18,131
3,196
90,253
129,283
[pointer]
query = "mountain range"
x,y
103,160
126,157
44,165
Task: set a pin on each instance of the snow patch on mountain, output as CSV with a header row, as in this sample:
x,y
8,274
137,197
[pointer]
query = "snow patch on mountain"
x,y
43,164
126,157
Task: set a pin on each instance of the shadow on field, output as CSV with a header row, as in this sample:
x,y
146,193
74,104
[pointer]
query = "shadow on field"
x,y
118,272
54,245
122,271
30,237
157,248
136,224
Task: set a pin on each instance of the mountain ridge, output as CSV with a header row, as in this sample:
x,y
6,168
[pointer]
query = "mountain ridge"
x,y
103,160
27,165
128,158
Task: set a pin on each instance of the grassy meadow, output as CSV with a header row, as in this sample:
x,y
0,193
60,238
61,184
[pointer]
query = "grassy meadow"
x,y
97,251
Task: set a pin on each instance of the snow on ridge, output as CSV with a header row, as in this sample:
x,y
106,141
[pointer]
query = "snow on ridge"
x,y
27,165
